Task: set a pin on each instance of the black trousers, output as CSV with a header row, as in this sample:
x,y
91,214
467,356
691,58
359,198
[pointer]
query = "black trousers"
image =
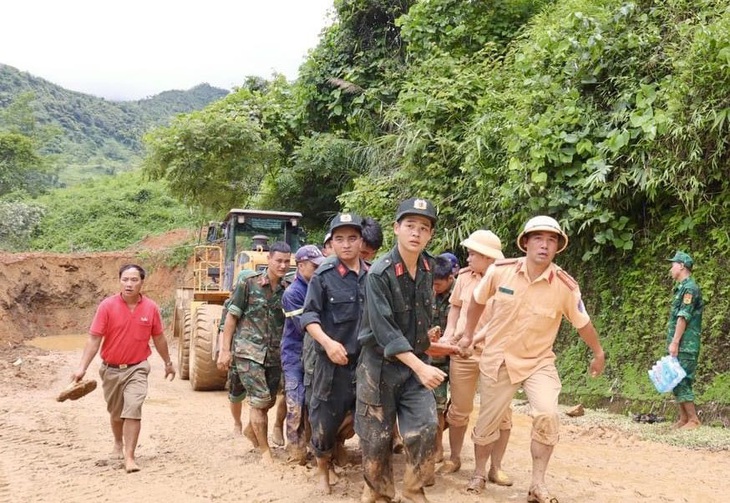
x,y
332,398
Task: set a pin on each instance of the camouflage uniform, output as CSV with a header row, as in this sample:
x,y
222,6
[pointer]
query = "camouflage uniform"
x,y
441,308
257,339
236,391
686,303
396,319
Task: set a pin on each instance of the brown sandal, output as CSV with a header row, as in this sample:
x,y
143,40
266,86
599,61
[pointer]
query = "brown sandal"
x,y
540,494
476,484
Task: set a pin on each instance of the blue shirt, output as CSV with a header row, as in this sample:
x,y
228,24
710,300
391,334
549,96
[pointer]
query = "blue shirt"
x,y
292,339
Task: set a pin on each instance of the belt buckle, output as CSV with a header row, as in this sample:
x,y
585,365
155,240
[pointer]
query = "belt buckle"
x,y
123,366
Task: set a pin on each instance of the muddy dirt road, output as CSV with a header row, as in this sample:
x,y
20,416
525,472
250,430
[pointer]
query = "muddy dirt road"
x,y
58,452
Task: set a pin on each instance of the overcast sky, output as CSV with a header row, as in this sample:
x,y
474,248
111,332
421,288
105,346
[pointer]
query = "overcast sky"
x,y
137,48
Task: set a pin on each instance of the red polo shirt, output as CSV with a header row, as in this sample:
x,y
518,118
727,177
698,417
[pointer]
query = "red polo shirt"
x,y
126,333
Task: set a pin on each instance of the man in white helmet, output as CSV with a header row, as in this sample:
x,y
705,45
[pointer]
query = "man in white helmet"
x,y
529,297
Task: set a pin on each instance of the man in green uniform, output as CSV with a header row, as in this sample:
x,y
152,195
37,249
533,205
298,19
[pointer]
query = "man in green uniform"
x,y
443,285
255,317
683,335
394,378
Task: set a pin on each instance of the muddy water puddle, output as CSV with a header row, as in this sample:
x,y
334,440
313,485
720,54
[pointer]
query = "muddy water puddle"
x,y
59,342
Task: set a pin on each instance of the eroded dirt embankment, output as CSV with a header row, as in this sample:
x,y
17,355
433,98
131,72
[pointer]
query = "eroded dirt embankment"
x,y
57,294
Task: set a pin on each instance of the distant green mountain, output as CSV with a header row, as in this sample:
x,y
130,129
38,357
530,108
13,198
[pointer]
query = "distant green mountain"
x,y
96,136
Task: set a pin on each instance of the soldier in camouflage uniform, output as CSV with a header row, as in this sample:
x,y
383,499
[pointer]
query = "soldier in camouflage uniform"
x,y
236,391
254,326
683,335
443,284
394,378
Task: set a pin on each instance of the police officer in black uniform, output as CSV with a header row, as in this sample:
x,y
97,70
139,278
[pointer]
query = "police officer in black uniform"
x,y
332,311
394,377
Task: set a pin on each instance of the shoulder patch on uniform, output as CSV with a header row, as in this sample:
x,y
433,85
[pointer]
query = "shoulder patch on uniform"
x,y
687,298
567,279
464,270
380,265
325,266
506,261
244,275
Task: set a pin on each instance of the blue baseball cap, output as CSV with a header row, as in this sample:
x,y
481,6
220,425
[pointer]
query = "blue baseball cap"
x,y
451,258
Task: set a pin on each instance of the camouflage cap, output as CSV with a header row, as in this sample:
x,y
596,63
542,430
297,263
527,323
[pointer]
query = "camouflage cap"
x,y
416,206
683,258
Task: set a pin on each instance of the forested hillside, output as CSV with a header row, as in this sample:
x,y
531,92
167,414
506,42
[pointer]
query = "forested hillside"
x,y
85,136
611,116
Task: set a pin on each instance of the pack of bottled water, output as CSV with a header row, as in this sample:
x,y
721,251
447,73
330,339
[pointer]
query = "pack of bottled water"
x,y
666,374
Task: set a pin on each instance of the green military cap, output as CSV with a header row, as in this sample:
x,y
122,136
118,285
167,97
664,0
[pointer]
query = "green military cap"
x,y
416,206
683,258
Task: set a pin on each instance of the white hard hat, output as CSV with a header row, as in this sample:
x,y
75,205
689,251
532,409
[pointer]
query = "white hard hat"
x,y
543,223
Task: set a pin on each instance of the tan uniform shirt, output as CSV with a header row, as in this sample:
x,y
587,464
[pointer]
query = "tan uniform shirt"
x,y
525,316
461,296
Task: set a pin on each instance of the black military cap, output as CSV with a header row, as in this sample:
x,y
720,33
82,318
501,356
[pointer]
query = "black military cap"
x,y
416,206
345,220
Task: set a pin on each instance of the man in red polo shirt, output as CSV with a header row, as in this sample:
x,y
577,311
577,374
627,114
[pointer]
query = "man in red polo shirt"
x,y
122,327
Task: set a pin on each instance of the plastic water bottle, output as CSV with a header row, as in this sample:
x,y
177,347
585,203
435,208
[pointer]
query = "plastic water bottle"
x,y
666,374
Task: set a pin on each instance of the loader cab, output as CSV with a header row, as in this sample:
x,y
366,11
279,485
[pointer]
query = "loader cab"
x,y
247,235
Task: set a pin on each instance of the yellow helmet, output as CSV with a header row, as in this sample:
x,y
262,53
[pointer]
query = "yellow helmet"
x,y
543,223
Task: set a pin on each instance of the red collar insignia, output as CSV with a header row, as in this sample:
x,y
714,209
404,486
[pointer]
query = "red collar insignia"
x,y
399,269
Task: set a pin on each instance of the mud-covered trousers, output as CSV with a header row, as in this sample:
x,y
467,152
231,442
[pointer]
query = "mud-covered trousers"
x,y
402,396
332,399
296,411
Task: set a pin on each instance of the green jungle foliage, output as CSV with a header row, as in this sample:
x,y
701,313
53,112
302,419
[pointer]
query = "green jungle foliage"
x,y
86,136
610,115
106,214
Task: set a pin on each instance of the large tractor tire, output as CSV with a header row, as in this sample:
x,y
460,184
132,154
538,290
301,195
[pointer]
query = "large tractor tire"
x,y
204,374
183,346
